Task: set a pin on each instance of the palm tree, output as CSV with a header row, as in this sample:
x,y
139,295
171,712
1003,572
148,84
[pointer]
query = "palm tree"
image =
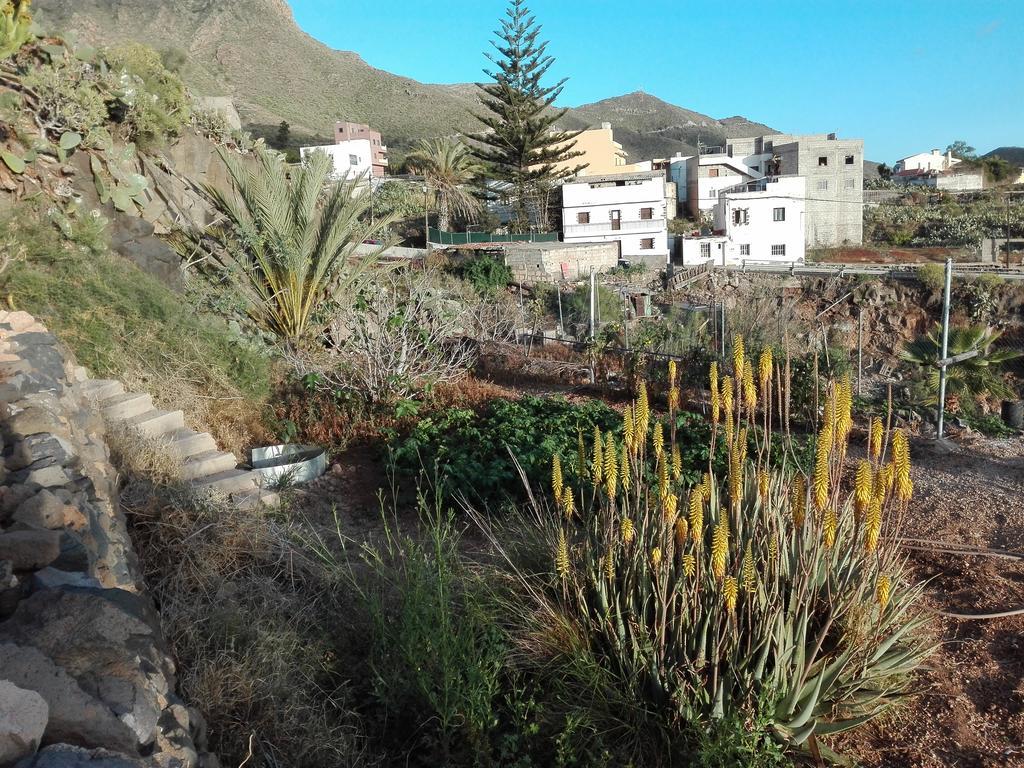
x,y
449,168
969,379
289,241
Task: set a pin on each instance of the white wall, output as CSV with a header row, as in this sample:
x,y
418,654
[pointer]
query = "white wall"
x,y
599,198
350,159
926,161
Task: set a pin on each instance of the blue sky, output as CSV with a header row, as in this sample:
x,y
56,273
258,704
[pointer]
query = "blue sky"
x,y
904,75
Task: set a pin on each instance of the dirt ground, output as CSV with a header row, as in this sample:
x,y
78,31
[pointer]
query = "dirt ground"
x,y
971,709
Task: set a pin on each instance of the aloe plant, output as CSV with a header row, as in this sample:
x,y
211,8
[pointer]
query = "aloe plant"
x,y
752,595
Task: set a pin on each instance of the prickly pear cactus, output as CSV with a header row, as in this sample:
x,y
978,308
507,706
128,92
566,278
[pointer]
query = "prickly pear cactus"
x,y
15,26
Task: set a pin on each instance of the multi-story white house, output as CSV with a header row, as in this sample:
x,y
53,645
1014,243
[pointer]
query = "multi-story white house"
x,y
756,221
626,208
351,159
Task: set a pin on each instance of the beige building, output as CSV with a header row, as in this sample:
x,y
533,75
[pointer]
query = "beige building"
x,y
602,154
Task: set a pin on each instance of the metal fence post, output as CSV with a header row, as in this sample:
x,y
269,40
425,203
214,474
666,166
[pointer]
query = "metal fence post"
x,y
860,348
945,349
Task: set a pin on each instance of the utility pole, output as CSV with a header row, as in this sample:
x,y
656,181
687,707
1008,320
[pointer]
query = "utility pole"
x,y
426,216
1007,231
860,348
593,373
945,348
561,320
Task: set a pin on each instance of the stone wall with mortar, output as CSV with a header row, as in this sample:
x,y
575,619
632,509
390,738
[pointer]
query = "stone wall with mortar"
x,y
86,678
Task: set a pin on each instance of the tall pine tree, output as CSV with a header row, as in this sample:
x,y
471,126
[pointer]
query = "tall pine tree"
x,y
521,146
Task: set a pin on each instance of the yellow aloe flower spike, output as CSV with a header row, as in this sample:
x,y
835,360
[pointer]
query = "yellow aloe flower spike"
x,y
658,440
642,414
673,399
677,462
764,367
628,530
662,478
763,485
873,524
716,400
877,432
883,590
671,373
671,508
581,455
656,557
727,394
901,464
738,355
562,555
568,503
828,528
689,565
556,476
697,513
609,564
820,481
730,592
749,573
863,488
720,549
798,500
844,409
611,470
682,531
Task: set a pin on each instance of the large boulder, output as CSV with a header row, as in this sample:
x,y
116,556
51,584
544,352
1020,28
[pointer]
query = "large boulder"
x,y
23,718
68,756
30,550
75,717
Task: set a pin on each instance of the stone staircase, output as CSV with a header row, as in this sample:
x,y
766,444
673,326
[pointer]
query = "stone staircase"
x,y
203,465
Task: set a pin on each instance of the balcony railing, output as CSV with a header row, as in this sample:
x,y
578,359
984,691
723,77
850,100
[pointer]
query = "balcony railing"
x,y
610,227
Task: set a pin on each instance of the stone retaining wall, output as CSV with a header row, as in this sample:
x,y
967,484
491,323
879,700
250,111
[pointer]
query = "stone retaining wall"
x,y
85,676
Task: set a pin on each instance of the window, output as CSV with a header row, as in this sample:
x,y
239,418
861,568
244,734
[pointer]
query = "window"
x,y
353,159
583,218
849,183
778,250
822,161
849,159
616,219
744,249
713,173
647,244
779,214
822,185
646,214
741,216
705,250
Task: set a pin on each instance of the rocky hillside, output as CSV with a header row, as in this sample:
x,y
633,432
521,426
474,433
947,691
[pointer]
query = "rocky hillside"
x,y
290,76
1012,155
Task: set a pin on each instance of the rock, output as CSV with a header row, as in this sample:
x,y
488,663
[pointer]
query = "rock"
x,y
23,718
74,556
48,477
44,510
116,655
12,496
54,578
132,237
30,550
40,450
33,421
68,756
75,716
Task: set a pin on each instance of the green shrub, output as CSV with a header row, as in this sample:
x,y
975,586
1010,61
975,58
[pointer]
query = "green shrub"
x,y
155,100
487,274
72,96
932,276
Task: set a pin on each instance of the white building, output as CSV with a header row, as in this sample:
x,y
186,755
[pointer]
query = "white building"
x,y
758,221
926,161
627,208
351,159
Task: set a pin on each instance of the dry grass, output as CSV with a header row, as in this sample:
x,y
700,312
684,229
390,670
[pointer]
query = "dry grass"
x,y
248,617
141,455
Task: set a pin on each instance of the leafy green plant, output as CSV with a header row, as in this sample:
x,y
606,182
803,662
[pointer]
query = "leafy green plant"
x,y
486,273
72,97
155,101
289,253
449,168
968,380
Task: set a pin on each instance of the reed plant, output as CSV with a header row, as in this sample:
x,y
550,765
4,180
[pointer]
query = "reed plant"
x,y
757,594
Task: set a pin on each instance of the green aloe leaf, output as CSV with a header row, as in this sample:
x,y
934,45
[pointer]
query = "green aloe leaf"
x,y
12,161
70,140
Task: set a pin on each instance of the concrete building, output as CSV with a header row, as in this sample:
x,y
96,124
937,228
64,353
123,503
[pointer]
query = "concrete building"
x,y
346,131
602,154
554,262
624,208
351,159
833,168
926,161
756,221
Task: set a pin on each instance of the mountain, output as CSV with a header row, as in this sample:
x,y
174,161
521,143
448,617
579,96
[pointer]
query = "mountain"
x,y
1012,155
253,51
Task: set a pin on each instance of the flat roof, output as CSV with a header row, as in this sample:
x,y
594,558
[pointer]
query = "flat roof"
x,y
615,177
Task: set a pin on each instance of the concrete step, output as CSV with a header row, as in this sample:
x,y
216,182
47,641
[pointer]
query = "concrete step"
x,y
232,481
102,389
121,407
156,423
184,443
206,464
